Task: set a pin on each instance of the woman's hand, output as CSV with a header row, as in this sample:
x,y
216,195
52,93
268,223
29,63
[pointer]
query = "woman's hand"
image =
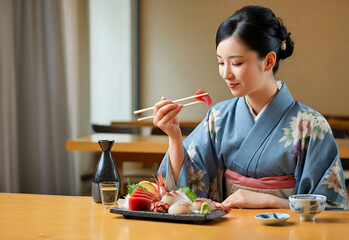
x,y
248,199
165,117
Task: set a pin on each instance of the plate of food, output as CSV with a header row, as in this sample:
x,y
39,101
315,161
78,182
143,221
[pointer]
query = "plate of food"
x,y
153,201
196,218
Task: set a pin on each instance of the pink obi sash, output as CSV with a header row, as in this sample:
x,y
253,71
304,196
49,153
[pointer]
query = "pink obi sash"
x,y
278,182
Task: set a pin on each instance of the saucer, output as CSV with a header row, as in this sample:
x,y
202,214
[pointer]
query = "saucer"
x,y
272,218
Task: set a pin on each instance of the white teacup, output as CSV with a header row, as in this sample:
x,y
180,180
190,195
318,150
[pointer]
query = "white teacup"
x,y
307,205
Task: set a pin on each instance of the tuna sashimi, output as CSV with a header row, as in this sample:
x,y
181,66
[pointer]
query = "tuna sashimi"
x,y
140,200
139,203
207,99
144,196
140,192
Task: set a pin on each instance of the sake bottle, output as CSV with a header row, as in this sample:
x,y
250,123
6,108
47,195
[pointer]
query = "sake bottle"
x,y
106,170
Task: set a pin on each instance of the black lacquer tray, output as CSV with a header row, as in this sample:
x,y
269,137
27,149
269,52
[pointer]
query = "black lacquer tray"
x,y
183,218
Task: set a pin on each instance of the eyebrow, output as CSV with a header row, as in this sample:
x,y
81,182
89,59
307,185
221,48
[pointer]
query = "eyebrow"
x,y
234,56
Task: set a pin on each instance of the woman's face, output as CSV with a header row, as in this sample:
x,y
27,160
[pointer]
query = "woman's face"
x,y
240,67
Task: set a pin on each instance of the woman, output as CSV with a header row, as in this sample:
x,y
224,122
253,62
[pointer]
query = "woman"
x,y
255,150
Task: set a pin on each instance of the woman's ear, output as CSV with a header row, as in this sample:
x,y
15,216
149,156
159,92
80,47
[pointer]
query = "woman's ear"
x,y
269,61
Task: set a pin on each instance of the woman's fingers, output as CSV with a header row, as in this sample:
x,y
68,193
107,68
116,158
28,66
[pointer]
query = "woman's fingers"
x,y
162,108
161,104
165,116
228,202
165,110
249,199
168,114
240,198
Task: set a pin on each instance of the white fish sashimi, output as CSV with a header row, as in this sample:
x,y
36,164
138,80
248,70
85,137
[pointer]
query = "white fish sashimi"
x,y
199,201
184,196
175,196
169,198
180,207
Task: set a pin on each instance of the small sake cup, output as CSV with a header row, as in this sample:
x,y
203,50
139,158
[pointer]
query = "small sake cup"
x,y
307,205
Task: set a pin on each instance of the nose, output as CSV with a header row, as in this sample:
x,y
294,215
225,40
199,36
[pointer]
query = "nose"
x,y
227,73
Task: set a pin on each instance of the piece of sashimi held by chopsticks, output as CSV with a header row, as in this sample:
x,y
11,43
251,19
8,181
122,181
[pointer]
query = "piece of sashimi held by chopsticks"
x,y
199,95
204,98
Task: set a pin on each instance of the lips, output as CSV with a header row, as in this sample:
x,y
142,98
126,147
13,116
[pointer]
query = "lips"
x,y
233,85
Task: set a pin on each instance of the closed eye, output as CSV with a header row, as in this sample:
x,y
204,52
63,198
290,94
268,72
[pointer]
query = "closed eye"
x,y
236,64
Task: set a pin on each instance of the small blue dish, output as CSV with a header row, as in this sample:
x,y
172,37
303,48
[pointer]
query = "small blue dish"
x,y
272,218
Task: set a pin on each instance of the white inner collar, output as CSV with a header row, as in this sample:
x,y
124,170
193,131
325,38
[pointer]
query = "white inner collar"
x,y
253,115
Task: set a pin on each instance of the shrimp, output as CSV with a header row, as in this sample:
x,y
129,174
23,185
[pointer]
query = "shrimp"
x,y
162,188
222,207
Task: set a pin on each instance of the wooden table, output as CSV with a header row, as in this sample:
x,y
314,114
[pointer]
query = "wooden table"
x,y
338,121
343,145
127,147
124,143
139,144
27,216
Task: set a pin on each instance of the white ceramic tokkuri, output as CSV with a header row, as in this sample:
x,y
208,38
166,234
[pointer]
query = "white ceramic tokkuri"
x,y
307,205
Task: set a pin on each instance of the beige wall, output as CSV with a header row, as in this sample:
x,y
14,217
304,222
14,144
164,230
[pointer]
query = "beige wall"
x,y
178,51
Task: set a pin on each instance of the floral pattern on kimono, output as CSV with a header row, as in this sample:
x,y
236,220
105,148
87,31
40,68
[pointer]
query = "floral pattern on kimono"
x,y
305,124
309,124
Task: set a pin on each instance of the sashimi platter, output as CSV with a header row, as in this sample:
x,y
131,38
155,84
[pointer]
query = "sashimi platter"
x,y
152,201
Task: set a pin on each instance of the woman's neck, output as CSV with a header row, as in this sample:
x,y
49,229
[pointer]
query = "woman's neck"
x,y
257,100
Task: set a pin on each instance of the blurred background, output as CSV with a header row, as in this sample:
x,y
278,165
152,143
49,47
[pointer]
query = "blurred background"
x,y
68,64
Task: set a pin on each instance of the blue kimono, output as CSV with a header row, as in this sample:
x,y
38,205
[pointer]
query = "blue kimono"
x,y
289,139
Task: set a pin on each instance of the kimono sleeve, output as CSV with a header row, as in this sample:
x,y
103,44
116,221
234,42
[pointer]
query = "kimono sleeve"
x,y
319,169
201,167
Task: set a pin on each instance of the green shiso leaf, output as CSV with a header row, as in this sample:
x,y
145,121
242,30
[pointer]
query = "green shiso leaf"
x,y
132,187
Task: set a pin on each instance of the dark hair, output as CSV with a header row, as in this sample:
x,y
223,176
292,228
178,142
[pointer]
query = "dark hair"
x,y
259,29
